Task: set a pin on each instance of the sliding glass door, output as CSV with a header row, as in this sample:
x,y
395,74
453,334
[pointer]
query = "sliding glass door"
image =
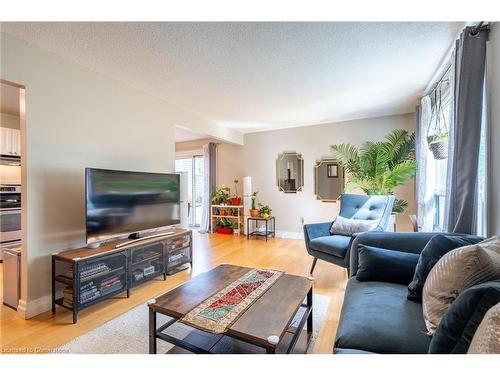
x,y
194,167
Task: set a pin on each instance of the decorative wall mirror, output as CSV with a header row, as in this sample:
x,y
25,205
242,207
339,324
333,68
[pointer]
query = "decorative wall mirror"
x,y
329,179
290,172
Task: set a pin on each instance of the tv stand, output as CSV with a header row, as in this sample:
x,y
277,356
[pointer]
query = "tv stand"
x,y
83,277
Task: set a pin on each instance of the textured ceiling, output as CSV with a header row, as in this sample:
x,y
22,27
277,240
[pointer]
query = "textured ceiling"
x,y
255,76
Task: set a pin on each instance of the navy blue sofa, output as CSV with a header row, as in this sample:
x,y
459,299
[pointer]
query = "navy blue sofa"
x,y
376,316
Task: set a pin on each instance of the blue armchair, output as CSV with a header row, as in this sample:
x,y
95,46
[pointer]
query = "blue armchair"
x,y
321,244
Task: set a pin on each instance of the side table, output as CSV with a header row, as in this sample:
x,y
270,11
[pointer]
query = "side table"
x,y
270,227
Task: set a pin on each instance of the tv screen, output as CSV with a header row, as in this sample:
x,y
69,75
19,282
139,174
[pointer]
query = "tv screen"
x,y
120,203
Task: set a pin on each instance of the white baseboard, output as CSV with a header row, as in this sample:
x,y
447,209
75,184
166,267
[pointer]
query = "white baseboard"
x,y
27,310
290,235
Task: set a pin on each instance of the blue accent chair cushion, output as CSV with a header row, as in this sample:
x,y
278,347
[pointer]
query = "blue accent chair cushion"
x,y
321,244
459,324
377,264
438,246
336,245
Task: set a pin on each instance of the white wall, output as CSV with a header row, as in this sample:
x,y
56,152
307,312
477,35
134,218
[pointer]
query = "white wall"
x,y
494,100
76,118
257,158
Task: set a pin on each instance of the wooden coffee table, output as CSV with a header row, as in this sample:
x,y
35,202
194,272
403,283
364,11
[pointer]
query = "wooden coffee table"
x,y
288,300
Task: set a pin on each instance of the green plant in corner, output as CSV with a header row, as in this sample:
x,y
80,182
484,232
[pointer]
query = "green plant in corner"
x,y
221,195
380,167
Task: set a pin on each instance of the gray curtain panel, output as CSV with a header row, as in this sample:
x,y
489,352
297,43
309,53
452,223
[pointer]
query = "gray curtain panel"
x,y
210,181
465,132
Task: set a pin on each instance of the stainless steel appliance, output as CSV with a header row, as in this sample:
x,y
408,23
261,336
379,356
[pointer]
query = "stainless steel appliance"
x,y
11,273
10,214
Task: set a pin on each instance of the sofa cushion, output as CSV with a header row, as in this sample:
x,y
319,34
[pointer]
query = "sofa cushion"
x,y
377,317
455,272
486,340
377,264
334,245
438,246
458,326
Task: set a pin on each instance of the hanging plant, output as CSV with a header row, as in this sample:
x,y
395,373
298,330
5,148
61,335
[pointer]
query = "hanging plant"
x,y
437,133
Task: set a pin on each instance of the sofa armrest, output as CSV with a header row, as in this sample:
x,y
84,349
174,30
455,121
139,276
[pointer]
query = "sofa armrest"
x,y
408,242
312,231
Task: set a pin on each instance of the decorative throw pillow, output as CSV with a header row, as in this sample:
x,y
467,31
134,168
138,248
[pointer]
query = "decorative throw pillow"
x,y
487,337
438,245
456,271
377,264
460,322
347,227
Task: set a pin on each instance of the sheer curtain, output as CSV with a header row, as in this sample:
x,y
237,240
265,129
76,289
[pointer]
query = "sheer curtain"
x,y
426,169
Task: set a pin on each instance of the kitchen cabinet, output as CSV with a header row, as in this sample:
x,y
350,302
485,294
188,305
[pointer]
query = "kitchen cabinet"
x,y
10,140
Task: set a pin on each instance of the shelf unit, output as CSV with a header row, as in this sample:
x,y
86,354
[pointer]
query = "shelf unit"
x,y
83,277
236,213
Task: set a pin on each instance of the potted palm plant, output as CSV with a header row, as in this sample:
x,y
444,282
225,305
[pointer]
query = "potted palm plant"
x,y
254,212
379,167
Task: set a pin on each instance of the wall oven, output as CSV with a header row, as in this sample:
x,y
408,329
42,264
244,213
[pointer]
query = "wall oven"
x,y
10,213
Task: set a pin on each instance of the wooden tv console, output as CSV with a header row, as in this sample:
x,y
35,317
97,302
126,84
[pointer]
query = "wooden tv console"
x,y
93,275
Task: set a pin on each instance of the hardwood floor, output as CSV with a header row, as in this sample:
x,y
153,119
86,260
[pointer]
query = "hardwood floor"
x,y
47,331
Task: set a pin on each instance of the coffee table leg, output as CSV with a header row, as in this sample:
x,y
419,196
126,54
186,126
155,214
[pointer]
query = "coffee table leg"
x,y
310,317
152,331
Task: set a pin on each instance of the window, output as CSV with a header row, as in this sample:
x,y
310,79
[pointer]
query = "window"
x,y
435,150
482,182
194,167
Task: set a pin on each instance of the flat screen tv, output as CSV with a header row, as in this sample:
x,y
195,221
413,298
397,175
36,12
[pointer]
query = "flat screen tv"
x,y
121,203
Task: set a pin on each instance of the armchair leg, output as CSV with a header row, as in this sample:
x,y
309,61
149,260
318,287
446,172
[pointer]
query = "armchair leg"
x,y
313,265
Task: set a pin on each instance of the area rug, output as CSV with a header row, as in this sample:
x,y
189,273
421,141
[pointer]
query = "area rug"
x,y
128,333
217,313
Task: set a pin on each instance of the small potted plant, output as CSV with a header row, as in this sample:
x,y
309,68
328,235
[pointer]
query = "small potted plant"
x,y
235,199
221,196
265,211
254,212
224,226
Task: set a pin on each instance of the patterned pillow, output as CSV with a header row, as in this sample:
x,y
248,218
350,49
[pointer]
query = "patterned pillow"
x,y
456,271
347,227
486,340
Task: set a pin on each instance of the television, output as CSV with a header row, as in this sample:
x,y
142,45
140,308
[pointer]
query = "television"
x,y
121,203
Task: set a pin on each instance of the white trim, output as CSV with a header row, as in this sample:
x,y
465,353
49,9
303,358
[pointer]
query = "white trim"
x,y
29,309
290,235
188,153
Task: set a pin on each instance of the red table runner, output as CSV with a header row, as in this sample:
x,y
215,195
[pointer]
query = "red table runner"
x,y
218,312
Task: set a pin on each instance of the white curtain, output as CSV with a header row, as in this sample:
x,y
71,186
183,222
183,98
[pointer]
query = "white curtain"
x,y
205,213
426,168
209,185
